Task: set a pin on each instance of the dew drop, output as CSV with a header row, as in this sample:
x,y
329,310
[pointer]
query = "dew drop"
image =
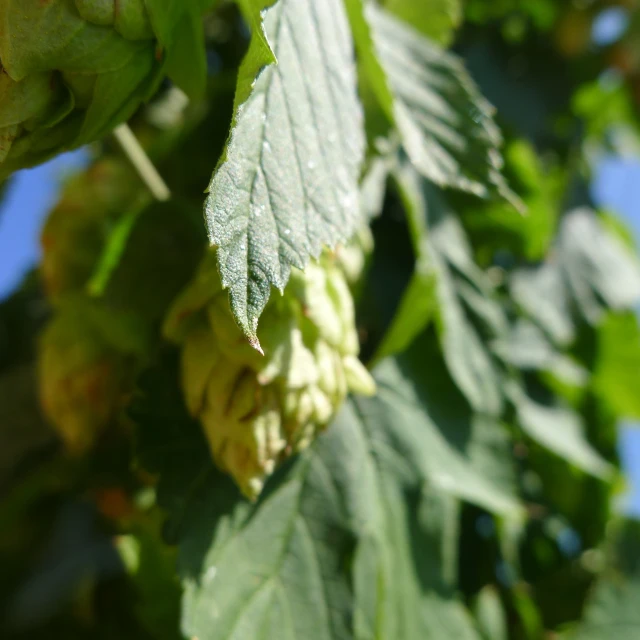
x,y
311,164
347,201
210,574
287,232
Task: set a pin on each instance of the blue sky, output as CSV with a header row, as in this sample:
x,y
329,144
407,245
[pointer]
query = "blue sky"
x,y
31,195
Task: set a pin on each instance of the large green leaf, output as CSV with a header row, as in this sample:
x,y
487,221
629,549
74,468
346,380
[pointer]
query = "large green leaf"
x,y
288,184
356,538
401,566
560,430
445,125
425,418
446,284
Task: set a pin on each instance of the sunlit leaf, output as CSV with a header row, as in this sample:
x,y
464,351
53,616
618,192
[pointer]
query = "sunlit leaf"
x,y
288,183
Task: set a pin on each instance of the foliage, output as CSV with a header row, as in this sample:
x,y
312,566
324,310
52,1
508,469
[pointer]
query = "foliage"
x,y
383,402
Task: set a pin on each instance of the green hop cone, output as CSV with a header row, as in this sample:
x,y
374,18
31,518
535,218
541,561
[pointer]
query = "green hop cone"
x,y
258,409
354,256
86,365
71,70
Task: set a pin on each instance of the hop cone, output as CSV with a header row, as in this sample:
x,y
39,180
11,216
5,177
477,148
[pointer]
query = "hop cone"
x,y
257,410
71,70
86,365
77,228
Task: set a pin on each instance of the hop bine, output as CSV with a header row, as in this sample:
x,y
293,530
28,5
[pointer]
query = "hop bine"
x,y
257,410
71,70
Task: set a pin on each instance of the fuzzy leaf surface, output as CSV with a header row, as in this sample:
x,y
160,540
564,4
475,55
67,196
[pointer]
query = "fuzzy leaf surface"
x,y
288,183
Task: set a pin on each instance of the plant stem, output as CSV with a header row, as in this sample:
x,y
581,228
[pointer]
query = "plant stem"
x,y
141,162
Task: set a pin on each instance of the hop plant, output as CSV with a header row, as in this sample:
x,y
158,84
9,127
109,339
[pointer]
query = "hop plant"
x,y
86,367
258,409
71,70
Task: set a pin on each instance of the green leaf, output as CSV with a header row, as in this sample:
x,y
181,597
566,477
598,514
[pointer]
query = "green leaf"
x,y
413,314
288,184
617,368
435,430
358,531
560,430
186,61
178,27
374,186
541,294
444,123
589,268
600,270
400,566
495,229
527,348
612,610
260,53
444,256
436,19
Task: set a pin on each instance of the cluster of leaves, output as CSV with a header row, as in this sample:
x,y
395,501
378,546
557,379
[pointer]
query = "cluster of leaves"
x,y
473,496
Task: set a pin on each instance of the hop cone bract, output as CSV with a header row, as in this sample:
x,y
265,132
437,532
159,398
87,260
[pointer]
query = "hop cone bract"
x,y
255,409
70,71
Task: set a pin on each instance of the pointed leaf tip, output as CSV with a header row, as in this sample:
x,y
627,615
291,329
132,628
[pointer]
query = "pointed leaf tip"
x,y
255,343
